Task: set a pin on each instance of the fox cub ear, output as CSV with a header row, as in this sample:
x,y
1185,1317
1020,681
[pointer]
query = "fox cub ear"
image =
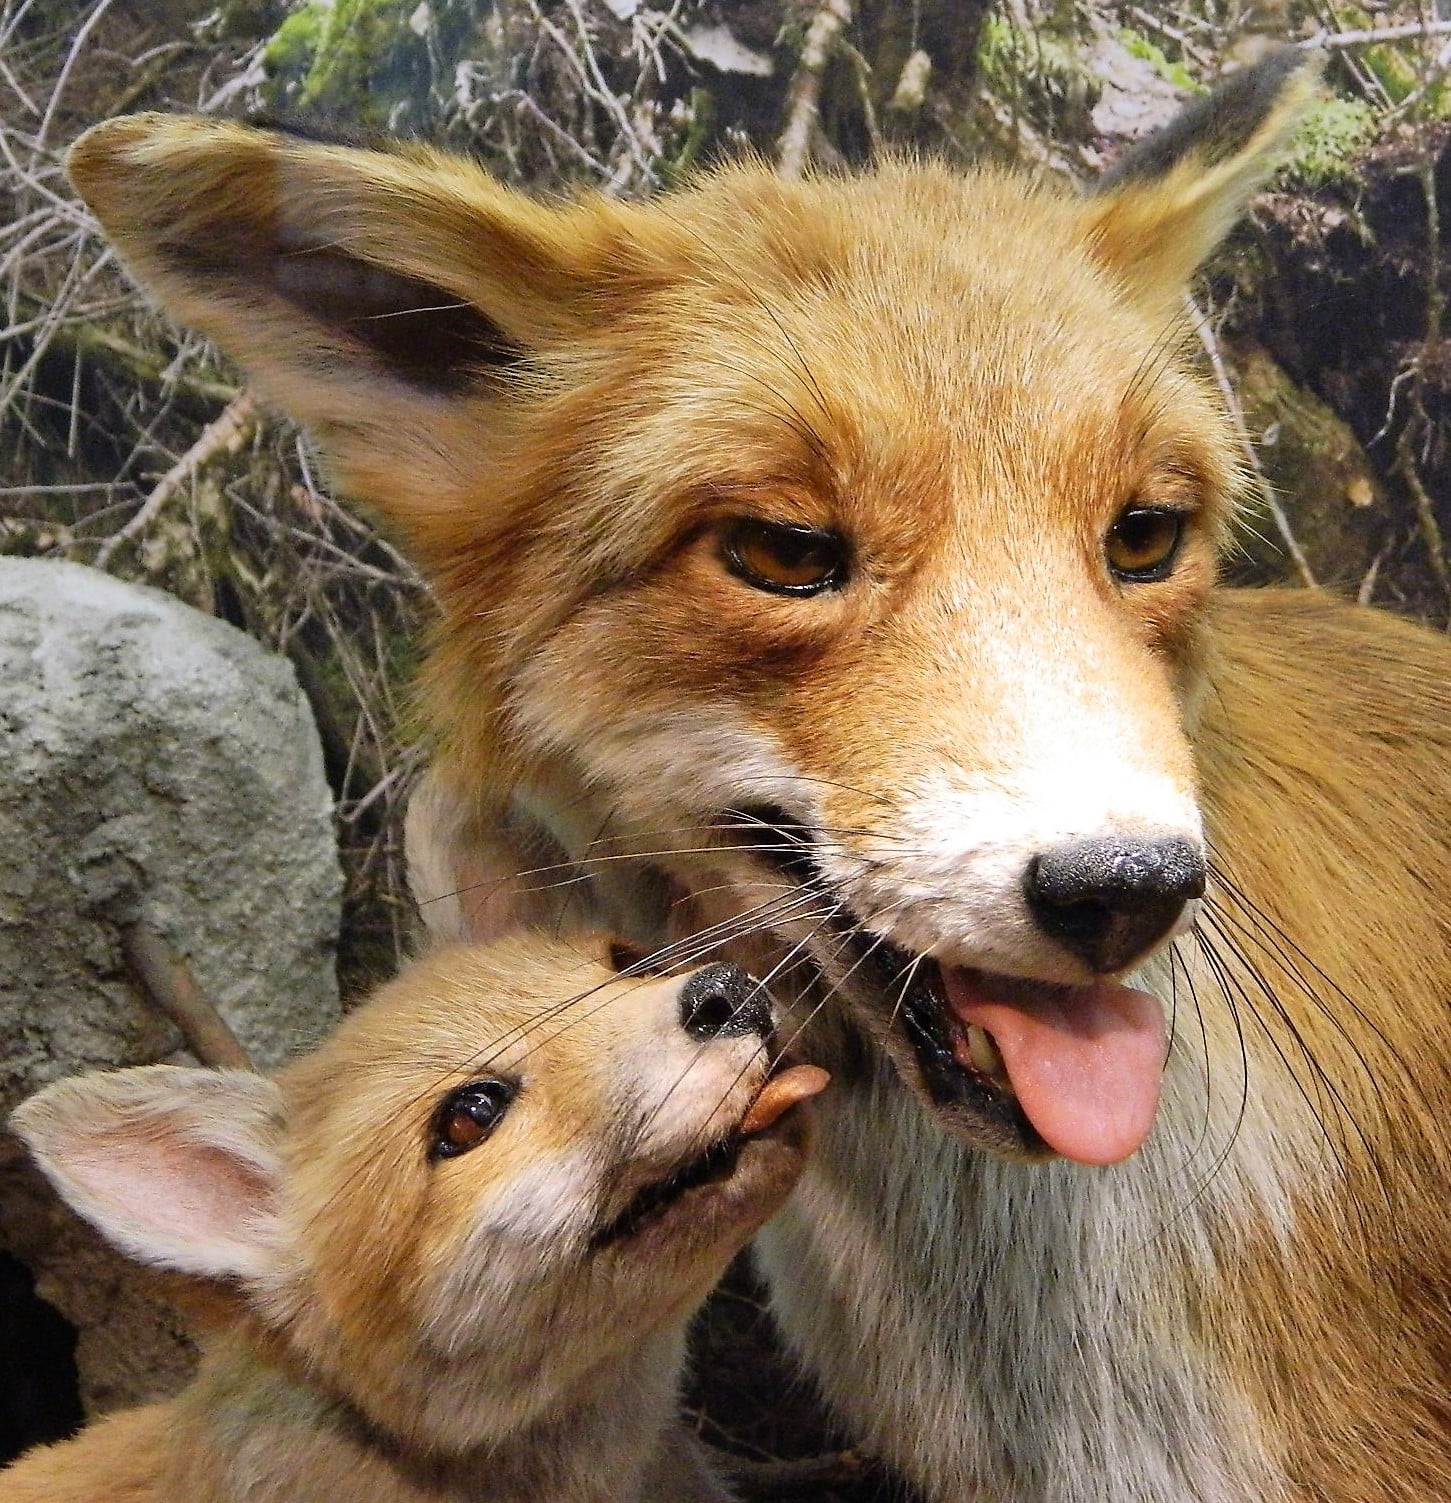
x,y
177,1167
381,297
1170,200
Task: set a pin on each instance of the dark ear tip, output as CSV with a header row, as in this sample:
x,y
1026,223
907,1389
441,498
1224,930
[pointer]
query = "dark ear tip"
x,y
323,130
109,161
1252,94
1222,123
101,144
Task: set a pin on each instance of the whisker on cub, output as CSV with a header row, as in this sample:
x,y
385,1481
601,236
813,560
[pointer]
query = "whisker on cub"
x,y
469,1284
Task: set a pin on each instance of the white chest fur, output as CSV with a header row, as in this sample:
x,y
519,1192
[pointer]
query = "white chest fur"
x,y
1034,1333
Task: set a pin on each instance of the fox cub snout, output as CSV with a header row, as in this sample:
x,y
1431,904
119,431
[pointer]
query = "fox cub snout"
x,y
464,1234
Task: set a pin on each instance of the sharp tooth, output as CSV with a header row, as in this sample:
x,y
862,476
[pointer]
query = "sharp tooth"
x,y
984,1051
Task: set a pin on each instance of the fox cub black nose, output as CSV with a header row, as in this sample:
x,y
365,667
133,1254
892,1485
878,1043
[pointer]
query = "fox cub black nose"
x,y
721,1001
1108,901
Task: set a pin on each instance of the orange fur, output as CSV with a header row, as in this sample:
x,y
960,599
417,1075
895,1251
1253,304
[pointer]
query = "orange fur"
x,y
969,379
408,1326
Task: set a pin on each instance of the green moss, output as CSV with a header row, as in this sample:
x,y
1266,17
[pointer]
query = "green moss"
x,y
364,61
1136,44
1041,72
699,128
1006,54
1335,131
294,44
1394,71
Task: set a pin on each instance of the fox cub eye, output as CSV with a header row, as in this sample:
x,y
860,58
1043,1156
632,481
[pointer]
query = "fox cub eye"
x,y
468,1115
1142,545
784,558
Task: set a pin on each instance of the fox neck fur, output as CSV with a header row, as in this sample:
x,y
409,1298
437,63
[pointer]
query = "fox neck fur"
x,y
248,1429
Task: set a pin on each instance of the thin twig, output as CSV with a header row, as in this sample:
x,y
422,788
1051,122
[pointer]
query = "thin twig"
x,y
227,434
1334,40
1366,593
78,45
1425,508
771,1480
803,101
1179,38
1418,421
170,986
1210,343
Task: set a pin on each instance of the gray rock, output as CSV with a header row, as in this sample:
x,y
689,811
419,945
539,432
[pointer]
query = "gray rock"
x,y
154,764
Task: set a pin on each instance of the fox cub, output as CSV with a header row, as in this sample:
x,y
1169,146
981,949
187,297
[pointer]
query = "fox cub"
x,y
462,1238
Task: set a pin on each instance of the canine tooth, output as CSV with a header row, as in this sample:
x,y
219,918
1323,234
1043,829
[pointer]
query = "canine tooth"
x,y
984,1051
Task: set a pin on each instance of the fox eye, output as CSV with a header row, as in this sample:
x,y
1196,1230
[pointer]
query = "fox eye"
x,y
784,558
467,1116
1142,545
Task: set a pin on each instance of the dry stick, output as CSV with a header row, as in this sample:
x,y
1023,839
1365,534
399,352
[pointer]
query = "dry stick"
x,y
1419,422
1179,38
78,44
1420,498
804,97
1266,491
170,986
1366,592
770,1480
105,347
225,435
1369,38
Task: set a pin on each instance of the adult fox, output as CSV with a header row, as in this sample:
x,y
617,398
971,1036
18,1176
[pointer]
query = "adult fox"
x,y
828,569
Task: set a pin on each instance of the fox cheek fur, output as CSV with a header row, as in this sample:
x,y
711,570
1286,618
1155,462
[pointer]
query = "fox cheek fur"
x,y
829,567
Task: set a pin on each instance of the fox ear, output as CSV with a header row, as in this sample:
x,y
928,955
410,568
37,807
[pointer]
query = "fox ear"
x,y
478,875
177,1167
381,297
1170,200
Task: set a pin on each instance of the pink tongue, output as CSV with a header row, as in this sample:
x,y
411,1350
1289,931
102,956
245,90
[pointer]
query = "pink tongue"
x,y
1085,1061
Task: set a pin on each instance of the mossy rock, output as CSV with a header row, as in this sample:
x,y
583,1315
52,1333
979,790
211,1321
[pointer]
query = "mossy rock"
x,y
1136,44
1043,71
1333,500
1329,143
374,63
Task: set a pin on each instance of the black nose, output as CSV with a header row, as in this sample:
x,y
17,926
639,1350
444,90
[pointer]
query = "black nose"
x,y
721,1001
1110,900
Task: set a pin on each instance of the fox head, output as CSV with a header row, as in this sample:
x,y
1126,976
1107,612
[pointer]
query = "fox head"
x,y
837,550
515,1168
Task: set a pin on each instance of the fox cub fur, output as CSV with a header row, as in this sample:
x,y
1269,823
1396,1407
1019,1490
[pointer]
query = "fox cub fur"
x,y
463,1237
828,569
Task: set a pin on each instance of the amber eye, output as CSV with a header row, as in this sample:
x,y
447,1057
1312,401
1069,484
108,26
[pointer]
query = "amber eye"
x,y
467,1116
784,558
1142,545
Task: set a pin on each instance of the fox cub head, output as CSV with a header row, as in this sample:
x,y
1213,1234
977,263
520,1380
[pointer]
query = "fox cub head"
x,y
847,540
510,1168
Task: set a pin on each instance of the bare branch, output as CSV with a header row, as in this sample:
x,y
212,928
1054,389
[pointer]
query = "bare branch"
x,y
170,986
1210,343
1335,40
226,435
803,101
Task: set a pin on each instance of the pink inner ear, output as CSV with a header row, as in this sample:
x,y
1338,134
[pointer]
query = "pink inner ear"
x,y
490,906
179,1204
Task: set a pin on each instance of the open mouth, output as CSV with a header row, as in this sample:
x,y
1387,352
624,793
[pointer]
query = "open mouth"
x,y
765,1118
1031,1067
1075,1070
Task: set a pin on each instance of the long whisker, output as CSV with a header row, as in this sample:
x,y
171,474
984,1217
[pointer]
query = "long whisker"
x,y
760,986
1291,955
